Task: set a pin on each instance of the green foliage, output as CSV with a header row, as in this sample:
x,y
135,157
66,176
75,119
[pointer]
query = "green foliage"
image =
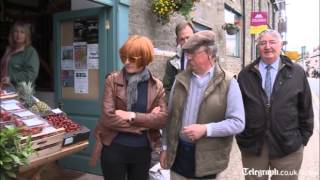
x,y
227,26
13,152
163,9
230,28
185,7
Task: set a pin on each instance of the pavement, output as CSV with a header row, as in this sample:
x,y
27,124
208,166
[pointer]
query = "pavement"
x,y
310,164
309,169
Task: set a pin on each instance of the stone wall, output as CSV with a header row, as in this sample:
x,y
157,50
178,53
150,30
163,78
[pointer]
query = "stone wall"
x,y
158,66
209,13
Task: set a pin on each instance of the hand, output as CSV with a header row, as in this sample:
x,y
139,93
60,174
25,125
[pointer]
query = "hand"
x,y
195,131
156,110
125,115
163,159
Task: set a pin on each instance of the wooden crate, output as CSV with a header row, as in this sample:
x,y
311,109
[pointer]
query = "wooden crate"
x,y
46,143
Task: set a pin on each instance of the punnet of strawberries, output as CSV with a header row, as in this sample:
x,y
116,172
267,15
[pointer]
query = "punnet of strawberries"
x,y
61,120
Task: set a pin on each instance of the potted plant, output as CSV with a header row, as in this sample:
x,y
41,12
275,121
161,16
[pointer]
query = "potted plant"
x,y
13,152
164,9
230,28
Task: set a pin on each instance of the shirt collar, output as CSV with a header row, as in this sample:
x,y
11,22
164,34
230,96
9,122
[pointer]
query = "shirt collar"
x,y
208,73
274,65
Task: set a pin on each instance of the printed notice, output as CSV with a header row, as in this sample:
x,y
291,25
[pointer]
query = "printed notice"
x,y
67,58
56,111
81,81
67,78
10,101
92,30
80,55
32,122
79,30
24,114
93,56
10,107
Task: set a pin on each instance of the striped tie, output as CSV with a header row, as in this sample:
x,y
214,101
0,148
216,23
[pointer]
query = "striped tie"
x,y
267,84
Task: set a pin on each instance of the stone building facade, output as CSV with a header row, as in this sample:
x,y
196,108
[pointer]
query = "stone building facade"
x,y
210,14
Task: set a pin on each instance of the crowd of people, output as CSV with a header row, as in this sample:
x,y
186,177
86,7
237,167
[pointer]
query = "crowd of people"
x,y
268,108
194,113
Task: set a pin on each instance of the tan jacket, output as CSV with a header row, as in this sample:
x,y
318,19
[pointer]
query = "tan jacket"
x,y
115,98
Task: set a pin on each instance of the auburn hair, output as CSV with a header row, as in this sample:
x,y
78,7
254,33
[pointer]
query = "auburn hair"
x,y
139,48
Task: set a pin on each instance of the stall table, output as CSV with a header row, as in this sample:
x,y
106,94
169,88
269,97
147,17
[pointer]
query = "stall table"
x,y
33,170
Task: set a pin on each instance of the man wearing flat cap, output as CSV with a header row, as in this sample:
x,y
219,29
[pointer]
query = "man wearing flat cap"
x,y
206,111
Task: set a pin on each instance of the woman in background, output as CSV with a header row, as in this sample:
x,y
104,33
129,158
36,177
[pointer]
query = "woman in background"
x,y
20,61
133,112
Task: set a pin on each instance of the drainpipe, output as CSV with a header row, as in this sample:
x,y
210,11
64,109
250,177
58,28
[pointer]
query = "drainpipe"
x,y
243,33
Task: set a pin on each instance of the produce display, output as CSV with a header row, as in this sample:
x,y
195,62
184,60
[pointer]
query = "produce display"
x,y
13,114
5,116
25,92
61,120
46,130
8,92
34,117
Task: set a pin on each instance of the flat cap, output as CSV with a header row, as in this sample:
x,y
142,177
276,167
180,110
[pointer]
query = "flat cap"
x,y
198,39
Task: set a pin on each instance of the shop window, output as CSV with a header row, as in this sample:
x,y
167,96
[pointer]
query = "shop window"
x,y
232,41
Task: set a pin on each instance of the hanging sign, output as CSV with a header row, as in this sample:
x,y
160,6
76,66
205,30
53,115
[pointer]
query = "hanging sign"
x,y
259,22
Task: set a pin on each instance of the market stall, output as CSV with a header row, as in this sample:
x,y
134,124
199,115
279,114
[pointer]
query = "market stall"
x,y
48,133
34,169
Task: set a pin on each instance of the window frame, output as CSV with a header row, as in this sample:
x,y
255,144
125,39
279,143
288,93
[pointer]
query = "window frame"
x,y
236,38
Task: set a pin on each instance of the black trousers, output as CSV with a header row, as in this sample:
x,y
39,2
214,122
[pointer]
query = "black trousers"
x,y
120,161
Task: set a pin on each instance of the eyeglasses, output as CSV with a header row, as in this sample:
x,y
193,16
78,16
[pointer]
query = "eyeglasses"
x,y
131,59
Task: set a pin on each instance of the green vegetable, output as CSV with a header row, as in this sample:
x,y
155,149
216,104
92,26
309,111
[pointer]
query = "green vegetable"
x,y
13,153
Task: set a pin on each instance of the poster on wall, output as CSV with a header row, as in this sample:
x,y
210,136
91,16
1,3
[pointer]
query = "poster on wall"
x,y
92,31
67,78
86,30
67,58
93,56
79,30
80,55
81,81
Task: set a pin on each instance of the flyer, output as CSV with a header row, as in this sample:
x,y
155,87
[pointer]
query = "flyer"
x,y
93,56
67,77
79,30
81,81
67,58
80,55
92,30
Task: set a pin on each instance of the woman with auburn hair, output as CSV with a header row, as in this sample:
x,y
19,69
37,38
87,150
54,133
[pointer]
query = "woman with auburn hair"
x,y
133,111
20,61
